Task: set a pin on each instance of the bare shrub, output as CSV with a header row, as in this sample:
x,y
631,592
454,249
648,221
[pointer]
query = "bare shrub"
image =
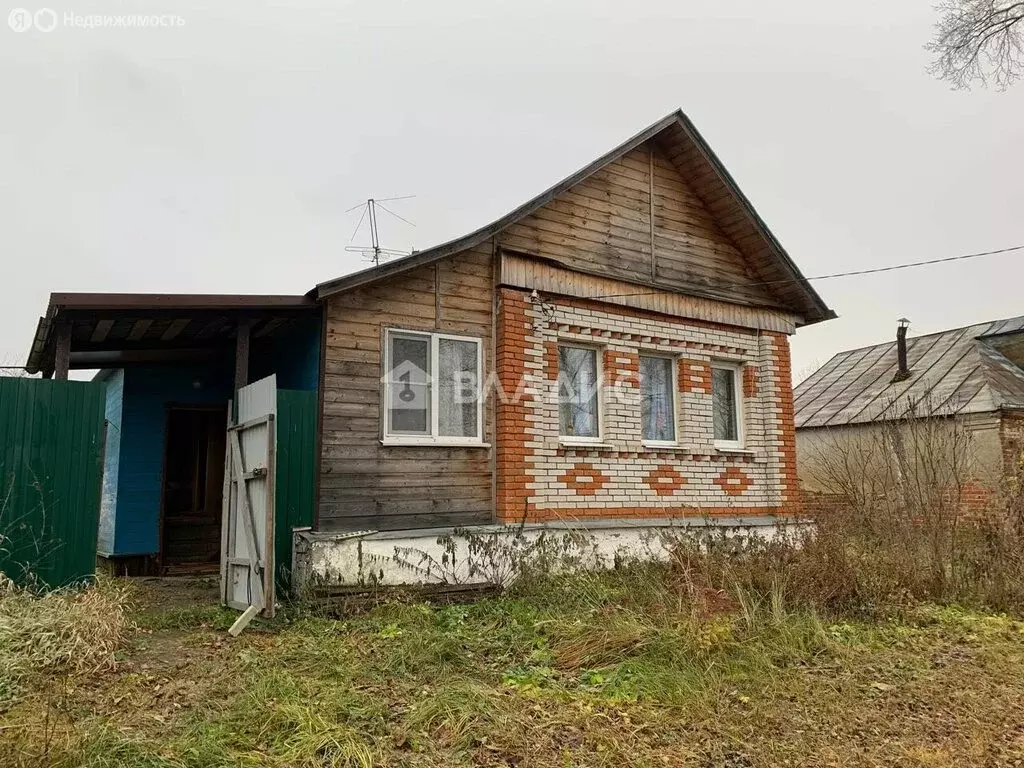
x,y
499,558
907,522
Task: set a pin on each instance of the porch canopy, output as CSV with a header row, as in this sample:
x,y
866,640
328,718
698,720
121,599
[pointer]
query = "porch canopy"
x,y
119,330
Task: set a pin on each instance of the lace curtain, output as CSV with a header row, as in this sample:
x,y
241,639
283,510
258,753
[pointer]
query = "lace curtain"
x,y
457,388
656,399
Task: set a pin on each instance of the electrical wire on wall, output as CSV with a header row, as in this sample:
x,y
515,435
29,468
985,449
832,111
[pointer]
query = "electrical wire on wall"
x,y
834,275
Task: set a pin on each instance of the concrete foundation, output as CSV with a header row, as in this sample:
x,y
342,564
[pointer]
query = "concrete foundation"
x,y
495,553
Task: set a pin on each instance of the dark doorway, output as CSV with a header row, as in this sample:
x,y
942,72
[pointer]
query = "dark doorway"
x,y
193,489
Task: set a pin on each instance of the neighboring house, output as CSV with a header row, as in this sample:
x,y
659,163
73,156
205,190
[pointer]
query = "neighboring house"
x,y
969,382
613,351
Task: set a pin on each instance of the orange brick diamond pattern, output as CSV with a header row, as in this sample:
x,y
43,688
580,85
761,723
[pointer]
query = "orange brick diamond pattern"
x,y
664,480
584,479
733,481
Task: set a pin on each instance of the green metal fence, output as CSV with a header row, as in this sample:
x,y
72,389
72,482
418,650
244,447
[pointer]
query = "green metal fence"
x,y
51,467
296,472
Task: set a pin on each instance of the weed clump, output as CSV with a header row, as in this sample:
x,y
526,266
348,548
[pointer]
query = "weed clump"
x,y
68,631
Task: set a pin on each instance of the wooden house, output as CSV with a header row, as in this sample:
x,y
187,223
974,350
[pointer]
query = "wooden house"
x,y
614,352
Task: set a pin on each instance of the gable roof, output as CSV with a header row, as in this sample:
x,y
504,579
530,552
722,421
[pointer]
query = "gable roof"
x,y
964,370
691,154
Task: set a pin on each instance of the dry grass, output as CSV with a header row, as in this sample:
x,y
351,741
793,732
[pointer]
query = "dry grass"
x,y
848,647
644,666
67,632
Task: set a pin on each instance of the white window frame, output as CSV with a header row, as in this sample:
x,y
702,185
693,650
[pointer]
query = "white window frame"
x,y
433,438
737,391
674,373
598,351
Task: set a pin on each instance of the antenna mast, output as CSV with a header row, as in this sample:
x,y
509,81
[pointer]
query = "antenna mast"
x,y
374,252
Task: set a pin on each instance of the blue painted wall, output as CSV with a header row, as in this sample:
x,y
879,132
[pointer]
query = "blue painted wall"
x,y
140,398
111,458
147,392
294,356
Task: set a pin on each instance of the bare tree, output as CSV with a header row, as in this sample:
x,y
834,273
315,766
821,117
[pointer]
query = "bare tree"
x,y
978,41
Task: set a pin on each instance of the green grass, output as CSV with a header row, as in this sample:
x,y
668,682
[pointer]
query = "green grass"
x,y
611,670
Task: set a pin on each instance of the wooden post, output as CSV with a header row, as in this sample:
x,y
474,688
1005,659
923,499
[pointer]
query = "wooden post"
x,y
242,354
62,353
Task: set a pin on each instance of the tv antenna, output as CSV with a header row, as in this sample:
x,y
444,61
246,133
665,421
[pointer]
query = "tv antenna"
x,y
374,252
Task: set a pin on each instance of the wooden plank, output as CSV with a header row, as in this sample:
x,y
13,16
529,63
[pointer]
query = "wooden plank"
x,y
242,354
139,328
174,329
251,423
243,620
404,506
248,521
270,326
404,522
269,587
101,331
653,244
411,484
225,514
533,273
62,351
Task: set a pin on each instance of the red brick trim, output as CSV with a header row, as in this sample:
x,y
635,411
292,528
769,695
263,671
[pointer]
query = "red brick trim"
x,y
733,481
749,381
681,454
664,513
784,417
551,361
695,376
512,425
621,368
665,480
596,479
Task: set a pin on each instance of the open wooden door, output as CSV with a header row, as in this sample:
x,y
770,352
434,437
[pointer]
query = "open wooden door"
x,y
247,533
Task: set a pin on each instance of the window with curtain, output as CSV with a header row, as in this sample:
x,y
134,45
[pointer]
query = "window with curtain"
x,y
657,400
432,388
578,374
726,406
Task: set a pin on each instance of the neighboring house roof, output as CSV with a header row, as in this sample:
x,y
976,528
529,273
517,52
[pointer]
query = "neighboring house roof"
x,y
742,223
976,369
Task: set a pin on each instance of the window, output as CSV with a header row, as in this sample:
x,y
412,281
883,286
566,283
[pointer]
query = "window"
x,y
725,392
432,388
578,408
657,400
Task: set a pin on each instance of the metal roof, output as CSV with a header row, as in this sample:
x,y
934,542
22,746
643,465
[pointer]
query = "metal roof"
x,y
677,128
975,369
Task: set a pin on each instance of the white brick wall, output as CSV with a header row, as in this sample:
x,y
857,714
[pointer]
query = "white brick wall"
x,y
622,463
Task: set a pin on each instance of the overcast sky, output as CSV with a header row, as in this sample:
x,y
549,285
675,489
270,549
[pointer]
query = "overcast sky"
x,y
220,155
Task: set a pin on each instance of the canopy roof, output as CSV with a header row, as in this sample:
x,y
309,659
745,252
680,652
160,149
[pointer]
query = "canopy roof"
x,y
115,329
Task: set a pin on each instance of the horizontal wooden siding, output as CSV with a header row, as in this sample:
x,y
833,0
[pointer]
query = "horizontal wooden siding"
x,y
363,484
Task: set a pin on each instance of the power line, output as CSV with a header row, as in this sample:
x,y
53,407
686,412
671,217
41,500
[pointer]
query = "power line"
x,y
911,264
834,275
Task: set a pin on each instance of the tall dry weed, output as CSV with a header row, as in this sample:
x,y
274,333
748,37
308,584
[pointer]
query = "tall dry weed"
x,y
70,631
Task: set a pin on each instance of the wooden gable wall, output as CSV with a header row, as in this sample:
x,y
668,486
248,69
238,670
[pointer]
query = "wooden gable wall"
x,y
363,484
608,223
